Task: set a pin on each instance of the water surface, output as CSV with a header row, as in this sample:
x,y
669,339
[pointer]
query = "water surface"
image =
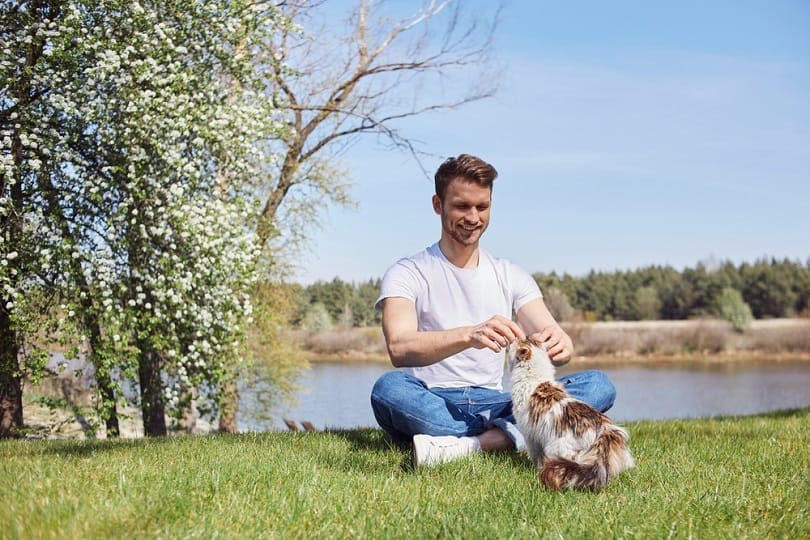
x,y
337,395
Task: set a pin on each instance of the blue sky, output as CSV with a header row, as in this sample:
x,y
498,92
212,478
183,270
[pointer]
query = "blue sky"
x,y
625,133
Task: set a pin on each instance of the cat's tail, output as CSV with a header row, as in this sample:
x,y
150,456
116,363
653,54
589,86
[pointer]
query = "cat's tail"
x,y
607,457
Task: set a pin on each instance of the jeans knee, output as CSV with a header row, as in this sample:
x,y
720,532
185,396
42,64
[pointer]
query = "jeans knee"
x,y
591,386
605,390
386,384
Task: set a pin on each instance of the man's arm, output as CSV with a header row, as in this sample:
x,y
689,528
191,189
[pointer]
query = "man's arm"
x,y
539,323
408,347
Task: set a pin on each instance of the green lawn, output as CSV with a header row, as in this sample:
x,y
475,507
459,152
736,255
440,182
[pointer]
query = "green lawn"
x,y
740,477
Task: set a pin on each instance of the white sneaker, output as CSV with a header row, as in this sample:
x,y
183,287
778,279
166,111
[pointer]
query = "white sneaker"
x,y
429,450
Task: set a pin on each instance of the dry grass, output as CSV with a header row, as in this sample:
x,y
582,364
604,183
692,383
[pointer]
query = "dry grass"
x,y
777,336
346,343
699,336
618,338
652,337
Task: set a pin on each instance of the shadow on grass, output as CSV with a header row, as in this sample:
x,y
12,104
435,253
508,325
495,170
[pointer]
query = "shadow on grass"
x,y
364,439
371,448
89,447
376,440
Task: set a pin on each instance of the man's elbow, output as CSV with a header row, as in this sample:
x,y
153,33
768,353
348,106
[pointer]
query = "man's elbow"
x,y
397,355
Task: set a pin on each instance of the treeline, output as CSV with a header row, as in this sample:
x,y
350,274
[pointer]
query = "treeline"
x,y
325,304
768,288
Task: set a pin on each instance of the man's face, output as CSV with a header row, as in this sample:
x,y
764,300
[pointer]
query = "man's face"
x,y
464,211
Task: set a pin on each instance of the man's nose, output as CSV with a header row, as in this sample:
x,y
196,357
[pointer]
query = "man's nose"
x,y
472,215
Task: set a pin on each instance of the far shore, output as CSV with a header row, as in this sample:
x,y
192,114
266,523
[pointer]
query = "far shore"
x,y
610,343
613,359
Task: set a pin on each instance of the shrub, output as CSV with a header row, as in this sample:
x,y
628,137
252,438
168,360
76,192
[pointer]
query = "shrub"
x,y
558,304
729,305
707,337
317,318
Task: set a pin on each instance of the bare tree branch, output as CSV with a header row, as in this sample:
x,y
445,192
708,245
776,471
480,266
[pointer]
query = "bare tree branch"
x,y
334,88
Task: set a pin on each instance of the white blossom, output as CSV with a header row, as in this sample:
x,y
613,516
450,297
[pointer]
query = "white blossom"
x,y
163,249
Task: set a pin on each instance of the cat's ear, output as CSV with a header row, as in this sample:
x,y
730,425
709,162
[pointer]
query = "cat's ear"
x,y
523,351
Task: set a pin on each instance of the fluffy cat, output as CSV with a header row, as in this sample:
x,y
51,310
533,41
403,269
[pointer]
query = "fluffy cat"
x,y
572,444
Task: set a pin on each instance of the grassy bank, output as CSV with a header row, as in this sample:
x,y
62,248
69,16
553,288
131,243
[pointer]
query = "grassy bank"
x,y
741,477
637,340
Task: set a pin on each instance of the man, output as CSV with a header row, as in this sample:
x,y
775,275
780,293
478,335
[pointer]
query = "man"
x,y
447,319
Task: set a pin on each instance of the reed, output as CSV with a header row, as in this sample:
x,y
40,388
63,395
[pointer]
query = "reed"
x,y
344,342
619,338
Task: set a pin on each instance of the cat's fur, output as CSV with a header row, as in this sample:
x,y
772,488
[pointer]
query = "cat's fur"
x,y
572,444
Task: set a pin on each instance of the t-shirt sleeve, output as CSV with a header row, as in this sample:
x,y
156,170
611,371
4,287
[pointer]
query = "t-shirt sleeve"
x,y
524,287
400,280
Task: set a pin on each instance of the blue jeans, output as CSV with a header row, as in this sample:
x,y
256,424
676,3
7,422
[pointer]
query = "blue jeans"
x,y
404,406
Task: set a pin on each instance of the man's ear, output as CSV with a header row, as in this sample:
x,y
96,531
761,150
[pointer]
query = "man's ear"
x,y
437,205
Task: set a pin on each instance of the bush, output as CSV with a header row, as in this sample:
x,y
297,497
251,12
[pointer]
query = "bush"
x,y
729,305
558,304
317,318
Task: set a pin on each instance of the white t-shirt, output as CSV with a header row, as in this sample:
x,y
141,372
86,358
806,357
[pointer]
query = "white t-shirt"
x,y
447,296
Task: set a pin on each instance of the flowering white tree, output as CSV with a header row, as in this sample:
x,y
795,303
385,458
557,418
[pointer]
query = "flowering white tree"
x,y
32,253
129,155
333,80
130,173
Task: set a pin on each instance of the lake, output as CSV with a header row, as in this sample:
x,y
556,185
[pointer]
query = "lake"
x,y
337,395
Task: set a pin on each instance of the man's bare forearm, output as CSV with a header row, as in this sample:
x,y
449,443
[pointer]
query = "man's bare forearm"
x,y
410,347
417,349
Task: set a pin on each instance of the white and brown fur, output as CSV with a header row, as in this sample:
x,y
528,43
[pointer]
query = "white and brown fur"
x,y
572,444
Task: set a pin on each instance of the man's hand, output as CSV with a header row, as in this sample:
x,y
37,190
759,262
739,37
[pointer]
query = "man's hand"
x,y
559,346
495,333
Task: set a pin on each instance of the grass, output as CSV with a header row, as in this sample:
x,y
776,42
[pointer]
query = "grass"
x,y
734,477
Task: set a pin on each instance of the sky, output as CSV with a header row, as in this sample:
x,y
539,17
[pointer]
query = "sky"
x,y
625,133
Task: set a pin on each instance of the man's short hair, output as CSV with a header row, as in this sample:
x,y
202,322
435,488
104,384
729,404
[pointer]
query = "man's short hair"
x,y
467,168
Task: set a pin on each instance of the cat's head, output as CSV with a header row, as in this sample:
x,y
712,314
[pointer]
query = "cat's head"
x,y
524,350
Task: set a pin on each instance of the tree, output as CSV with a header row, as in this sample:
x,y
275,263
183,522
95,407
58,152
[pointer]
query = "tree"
x,y
34,256
365,295
185,123
317,318
330,84
133,129
333,295
363,80
558,304
648,305
596,294
729,305
772,288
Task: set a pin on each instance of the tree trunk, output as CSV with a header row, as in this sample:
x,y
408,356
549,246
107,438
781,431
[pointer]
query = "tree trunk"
x,y
105,385
109,413
11,386
153,410
190,414
230,403
106,389
11,408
